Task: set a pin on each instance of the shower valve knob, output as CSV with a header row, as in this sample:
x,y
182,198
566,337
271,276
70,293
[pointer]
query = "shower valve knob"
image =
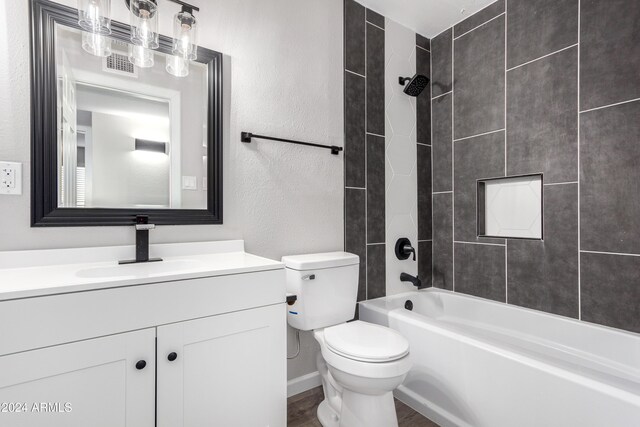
x,y
404,249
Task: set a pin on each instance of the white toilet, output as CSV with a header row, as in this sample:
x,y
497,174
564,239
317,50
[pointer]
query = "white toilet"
x,y
360,363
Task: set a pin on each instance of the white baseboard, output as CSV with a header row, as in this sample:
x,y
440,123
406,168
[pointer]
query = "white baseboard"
x,y
303,383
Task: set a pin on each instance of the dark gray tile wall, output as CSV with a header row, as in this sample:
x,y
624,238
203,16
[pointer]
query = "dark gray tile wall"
x,y
480,271
542,111
423,102
539,27
609,179
424,193
375,80
478,73
543,275
443,241
479,18
364,115
583,139
441,74
375,189
609,52
425,263
474,158
442,142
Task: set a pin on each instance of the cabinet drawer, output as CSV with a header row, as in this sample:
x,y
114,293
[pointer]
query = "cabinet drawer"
x,y
50,320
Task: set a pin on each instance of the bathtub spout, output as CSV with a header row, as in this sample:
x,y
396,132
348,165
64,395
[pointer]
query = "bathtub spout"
x,y
404,277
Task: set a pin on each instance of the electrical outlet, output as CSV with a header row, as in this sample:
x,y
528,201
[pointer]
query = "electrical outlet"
x,y
189,183
11,178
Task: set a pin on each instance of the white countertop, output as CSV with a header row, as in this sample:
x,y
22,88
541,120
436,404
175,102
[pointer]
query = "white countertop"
x,y
25,274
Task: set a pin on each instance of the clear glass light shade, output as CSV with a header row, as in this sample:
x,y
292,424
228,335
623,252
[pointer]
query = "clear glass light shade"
x,y
177,66
96,44
144,23
141,56
95,16
185,35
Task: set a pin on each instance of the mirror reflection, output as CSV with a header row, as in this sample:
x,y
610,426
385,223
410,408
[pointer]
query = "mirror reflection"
x,y
132,125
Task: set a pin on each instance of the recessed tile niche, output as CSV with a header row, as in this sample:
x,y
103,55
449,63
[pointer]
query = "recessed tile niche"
x,y
510,207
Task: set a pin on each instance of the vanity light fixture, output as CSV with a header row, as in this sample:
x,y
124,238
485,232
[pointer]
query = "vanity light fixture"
x,y
141,56
96,44
185,33
94,16
144,23
153,146
177,66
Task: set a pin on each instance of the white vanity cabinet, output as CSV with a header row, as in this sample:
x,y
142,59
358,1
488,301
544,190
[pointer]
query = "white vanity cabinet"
x,y
223,371
207,349
87,383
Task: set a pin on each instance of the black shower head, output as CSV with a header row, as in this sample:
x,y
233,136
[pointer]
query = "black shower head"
x,y
416,84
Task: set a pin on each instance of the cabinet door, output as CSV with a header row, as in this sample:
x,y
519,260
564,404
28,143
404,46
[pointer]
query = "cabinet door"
x,y
229,370
88,383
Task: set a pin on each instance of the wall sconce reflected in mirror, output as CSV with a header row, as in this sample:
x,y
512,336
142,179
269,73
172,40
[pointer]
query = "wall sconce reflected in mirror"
x,y
94,16
152,146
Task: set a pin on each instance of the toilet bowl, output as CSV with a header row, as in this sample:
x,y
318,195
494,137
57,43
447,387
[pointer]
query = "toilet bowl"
x,y
361,379
360,363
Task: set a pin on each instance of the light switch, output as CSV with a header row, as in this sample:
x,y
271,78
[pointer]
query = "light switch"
x,y
11,178
189,183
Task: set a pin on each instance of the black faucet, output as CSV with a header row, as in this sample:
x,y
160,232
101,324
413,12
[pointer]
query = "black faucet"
x,y
404,277
142,241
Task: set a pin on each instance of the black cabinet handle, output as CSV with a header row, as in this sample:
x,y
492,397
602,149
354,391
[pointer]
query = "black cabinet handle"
x,y
172,356
141,365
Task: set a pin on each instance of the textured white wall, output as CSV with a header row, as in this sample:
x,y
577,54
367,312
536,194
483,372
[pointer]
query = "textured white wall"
x,y
283,76
401,153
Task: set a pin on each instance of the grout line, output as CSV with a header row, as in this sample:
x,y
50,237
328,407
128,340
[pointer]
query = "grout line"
x,y
480,134
356,74
478,243
442,192
420,47
609,253
432,160
475,28
366,193
453,164
425,240
375,134
441,95
376,244
542,57
356,188
426,145
506,250
610,105
374,25
578,182
560,183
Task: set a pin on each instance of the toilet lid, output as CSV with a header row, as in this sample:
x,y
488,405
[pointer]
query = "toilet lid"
x,y
366,342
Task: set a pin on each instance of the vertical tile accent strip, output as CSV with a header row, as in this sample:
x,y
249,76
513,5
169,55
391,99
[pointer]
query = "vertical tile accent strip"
x,y
376,271
423,102
375,80
354,119
355,240
424,192
354,34
375,190
441,48
443,241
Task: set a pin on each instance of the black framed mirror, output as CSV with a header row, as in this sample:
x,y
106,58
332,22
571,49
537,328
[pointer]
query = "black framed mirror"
x,y
112,138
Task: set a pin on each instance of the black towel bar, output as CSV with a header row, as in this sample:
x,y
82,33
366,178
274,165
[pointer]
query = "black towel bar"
x,y
246,137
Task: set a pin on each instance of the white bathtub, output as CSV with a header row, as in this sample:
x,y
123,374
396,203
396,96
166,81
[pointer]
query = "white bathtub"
x,y
486,364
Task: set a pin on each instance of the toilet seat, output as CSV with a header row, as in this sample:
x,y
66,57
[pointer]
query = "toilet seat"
x,y
366,342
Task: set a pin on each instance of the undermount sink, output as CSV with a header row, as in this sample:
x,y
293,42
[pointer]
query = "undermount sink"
x,y
147,269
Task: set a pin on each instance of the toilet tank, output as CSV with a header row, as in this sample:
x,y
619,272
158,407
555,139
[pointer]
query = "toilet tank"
x,y
326,286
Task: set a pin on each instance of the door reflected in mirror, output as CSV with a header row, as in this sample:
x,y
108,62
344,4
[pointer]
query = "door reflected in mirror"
x,y
130,135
